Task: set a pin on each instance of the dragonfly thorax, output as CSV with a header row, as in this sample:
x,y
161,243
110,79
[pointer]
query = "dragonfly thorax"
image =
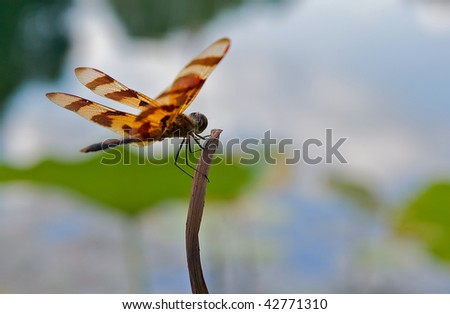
x,y
200,122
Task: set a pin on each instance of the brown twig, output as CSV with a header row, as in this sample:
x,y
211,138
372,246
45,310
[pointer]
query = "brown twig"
x,y
195,212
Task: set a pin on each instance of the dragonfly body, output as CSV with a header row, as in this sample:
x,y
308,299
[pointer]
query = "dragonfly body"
x,y
159,118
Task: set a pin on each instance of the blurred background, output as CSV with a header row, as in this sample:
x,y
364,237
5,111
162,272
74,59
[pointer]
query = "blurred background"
x,y
376,72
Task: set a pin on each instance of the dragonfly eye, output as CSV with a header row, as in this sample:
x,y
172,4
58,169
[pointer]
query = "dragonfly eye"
x,y
200,122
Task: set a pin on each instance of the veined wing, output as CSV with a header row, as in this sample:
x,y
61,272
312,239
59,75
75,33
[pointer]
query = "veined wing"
x,y
104,85
117,121
189,81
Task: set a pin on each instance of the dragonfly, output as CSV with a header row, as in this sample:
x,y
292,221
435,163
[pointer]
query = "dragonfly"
x,y
159,118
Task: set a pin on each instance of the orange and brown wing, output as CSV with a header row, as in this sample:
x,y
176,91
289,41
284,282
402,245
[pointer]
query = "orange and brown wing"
x,y
190,80
104,85
117,121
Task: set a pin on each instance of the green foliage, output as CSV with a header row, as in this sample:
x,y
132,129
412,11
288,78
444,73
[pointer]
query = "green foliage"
x,y
427,218
131,186
157,17
33,41
356,192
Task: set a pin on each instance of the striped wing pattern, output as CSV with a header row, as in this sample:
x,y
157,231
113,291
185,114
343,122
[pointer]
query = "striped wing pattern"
x,y
190,80
156,116
122,123
104,85
117,121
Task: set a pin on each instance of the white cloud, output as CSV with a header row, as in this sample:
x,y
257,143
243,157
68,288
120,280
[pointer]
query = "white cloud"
x,y
433,16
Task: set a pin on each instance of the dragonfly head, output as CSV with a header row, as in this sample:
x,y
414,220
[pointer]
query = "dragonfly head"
x,y
200,122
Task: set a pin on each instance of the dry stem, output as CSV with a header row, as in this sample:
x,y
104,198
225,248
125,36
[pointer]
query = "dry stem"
x,y
195,213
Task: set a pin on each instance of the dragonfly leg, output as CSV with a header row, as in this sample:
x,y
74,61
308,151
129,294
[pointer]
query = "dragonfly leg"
x,y
177,155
